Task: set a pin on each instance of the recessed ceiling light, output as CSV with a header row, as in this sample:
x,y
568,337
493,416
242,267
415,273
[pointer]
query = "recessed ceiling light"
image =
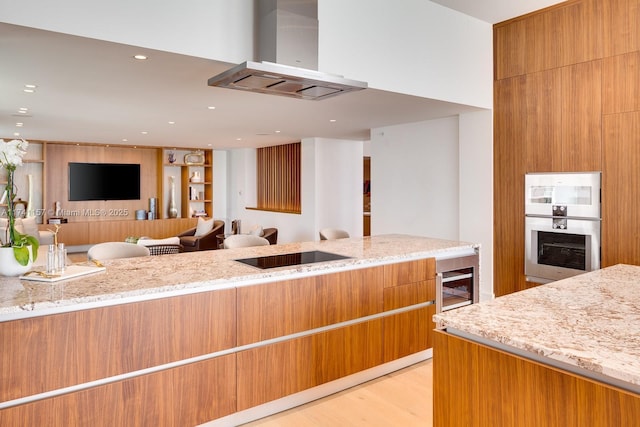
x,y
238,139
28,90
211,108
30,86
124,140
16,134
209,145
277,131
19,124
140,57
23,111
144,132
333,120
172,123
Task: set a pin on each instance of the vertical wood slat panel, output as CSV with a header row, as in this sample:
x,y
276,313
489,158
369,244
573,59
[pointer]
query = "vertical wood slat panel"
x,y
278,178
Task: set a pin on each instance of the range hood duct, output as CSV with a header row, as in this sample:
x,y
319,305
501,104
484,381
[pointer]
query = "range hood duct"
x,y
288,56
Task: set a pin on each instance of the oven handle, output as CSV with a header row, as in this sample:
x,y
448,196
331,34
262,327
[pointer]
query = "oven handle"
x,y
576,218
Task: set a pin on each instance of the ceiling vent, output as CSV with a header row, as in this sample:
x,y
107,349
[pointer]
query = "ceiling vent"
x,y
288,56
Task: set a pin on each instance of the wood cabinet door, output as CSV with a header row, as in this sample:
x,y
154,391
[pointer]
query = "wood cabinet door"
x,y
67,349
273,371
582,117
508,183
621,26
183,396
621,189
289,306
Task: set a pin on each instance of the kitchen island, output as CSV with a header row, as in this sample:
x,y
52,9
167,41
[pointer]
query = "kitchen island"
x,y
188,338
562,354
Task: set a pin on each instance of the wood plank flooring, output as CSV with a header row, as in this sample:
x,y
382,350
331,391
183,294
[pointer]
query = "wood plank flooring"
x,y
402,398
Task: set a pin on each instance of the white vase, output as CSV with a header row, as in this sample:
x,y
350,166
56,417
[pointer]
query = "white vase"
x,y
173,212
9,266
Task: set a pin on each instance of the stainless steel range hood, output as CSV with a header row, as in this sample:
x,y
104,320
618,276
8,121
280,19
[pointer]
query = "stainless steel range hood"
x,y
288,37
284,80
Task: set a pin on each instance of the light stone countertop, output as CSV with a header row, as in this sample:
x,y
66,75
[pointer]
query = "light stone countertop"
x,y
589,324
138,279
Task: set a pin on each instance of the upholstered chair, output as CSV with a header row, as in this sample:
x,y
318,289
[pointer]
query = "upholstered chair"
x,y
202,237
333,234
271,234
113,250
244,241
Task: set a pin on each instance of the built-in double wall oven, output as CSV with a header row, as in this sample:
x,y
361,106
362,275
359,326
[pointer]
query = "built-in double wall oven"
x,y
562,225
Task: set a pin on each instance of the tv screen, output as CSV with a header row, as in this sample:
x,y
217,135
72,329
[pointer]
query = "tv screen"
x,y
104,181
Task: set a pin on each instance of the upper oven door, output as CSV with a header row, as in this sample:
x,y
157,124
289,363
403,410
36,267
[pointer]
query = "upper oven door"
x,y
557,248
579,192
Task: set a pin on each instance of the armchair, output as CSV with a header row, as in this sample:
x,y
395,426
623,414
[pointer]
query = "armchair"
x,y
271,234
208,241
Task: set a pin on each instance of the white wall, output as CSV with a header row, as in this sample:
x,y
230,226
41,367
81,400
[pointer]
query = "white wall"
x,y
415,179
408,46
338,188
435,179
476,191
214,29
412,46
331,191
220,193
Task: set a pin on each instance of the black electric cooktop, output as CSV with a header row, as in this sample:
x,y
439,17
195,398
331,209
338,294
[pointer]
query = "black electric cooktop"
x,y
296,258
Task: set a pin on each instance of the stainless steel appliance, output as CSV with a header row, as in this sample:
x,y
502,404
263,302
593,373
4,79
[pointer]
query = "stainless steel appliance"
x,y
457,281
562,225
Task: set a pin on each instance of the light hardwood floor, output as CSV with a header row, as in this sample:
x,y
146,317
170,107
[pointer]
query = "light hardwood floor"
x,y
402,398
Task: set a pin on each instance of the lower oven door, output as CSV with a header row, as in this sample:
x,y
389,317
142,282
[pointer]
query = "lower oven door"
x,y
557,248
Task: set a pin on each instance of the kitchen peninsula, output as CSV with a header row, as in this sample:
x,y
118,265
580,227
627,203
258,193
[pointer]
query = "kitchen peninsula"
x,y
188,338
563,354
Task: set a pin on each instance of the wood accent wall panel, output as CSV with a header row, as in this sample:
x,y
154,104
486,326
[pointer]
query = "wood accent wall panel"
x,y
477,386
278,178
58,158
184,396
621,189
61,350
564,34
621,26
581,97
621,83
274,371
289,306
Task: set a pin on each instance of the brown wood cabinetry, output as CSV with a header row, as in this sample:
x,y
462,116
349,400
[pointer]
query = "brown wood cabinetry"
x,y
277,370
85,233
295,306
67,349
621,189
188,359
621,26
564,34
551,92
476,385
290,306
407,284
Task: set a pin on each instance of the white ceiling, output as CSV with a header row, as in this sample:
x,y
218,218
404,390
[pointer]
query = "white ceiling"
x,y
94,91
494,11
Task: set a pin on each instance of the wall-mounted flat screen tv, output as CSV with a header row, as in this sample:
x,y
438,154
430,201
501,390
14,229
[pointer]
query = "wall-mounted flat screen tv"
x,y
104,181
